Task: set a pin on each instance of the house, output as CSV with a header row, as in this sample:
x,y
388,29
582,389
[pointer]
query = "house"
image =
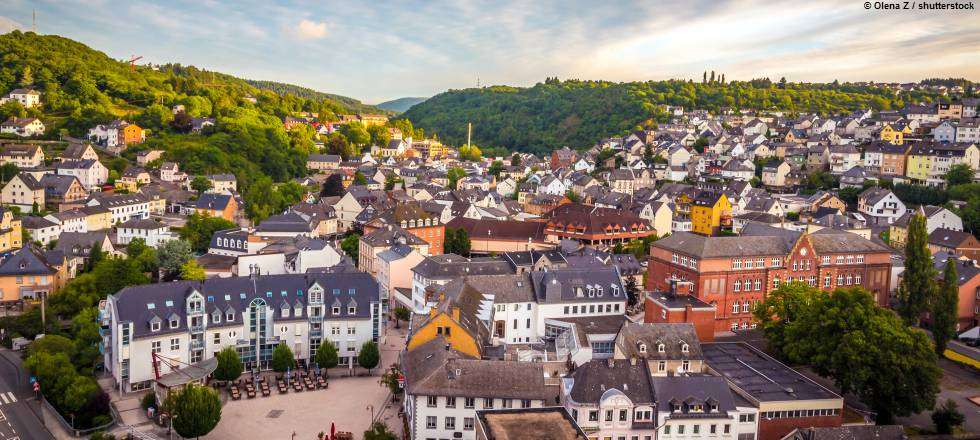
x,y
223,183
215,204
936,217
28,98
968,131
444,388
666,348
944,132
41,229
928,162
711,212
23,191
24,127
880,206
152,232
122,207
775,175
372,244
594,225
856,176
62,189
11,235
611,398
77,248
170,172
26,274
290,224
116,135
132,178
441,269
968,285
199,125
850,432
701,407
90,172
843,158
413,218
679,305
562,158
954,242
143,158
323,162
24,156
190,321
395,275
889,133
79,151
298,255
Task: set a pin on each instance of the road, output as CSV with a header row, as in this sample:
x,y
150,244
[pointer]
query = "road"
x,y
17,420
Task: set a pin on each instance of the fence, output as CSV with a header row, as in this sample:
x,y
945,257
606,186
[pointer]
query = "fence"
x,y
74,432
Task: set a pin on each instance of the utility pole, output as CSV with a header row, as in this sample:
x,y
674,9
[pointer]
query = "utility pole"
x,y
44,325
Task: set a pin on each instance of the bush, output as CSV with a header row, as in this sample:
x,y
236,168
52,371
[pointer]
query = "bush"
x,y
149,400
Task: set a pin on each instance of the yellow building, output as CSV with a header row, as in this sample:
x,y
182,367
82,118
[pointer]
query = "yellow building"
x,y
10,231
711,213
894,134
452,319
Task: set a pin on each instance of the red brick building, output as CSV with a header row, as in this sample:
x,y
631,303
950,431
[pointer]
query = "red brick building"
x,y
735,273
678,305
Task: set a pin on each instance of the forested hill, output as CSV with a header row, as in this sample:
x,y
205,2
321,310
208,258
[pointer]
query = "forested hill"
x,y
579,113
401,104
82,87
305,92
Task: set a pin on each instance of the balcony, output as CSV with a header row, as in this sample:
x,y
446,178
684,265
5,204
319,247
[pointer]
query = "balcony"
x,y
197,344
196,328
316,318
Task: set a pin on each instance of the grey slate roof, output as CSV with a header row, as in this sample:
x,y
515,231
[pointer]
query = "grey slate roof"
x,y
235,294
572,284
693,390
596,379
672,336
447,266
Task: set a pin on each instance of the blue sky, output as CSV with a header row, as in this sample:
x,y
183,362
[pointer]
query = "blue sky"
x,y
382,50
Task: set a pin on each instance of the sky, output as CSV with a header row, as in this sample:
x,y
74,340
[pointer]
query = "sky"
x,y
379,50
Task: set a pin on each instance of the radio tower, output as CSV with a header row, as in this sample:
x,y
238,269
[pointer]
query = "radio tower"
x,y
34,20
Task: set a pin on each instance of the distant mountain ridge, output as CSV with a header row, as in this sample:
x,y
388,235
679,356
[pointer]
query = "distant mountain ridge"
x,y
401,105
306,92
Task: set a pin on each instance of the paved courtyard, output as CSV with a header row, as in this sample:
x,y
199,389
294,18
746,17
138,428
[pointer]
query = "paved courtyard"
x,y
307,413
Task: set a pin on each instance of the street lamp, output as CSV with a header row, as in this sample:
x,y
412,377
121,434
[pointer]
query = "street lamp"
x,y
371,408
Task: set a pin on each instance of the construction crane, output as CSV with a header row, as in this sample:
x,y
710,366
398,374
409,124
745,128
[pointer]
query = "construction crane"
x,y
132,62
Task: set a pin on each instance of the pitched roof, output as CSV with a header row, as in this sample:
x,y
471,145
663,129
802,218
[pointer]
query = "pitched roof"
x,y
672,336
596,380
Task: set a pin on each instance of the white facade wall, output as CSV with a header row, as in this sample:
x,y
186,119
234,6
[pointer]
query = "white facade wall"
x,y
419,412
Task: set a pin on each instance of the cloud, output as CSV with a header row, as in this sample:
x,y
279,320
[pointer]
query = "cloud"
x,y
311,30
7,25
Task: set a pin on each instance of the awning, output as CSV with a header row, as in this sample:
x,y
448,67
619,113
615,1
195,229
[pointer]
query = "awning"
x,y
191,373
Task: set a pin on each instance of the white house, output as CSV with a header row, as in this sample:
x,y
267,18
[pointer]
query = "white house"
x,y
881,205
90,172
24,127
152,232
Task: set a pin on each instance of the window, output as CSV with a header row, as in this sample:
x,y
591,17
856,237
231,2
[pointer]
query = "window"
x,y
593,416
839,259
825,259
857,279
686,365
745,306
667,429
685,348
826,281
450,402
680,429
488,403
662,366
609,415
230,316
155,326
774,262
713,429
735,307
155,347
728,428
775,282
353,330
849,279
736,264
748,264
469,402
734,326
217,339
430,422
850,259
840,279
860,259
174,344
450,423
430,401
760,263
467,423
796,265
738,286
623,415
758,284
335,310
696,429
174,322
525,403
674,258
661,348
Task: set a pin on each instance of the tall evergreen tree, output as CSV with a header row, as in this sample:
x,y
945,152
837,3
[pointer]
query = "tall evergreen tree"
x,y
918,280
704,79
712,79
944,308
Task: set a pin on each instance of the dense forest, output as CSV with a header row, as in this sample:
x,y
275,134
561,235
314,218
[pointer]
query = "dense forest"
x,y
308,93
400,105
577,113
83,87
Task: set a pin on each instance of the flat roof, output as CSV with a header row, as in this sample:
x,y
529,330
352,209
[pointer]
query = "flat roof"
x,y
550,423
762,377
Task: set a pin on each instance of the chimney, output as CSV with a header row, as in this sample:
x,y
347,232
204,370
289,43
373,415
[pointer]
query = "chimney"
x,y
610,362
633,361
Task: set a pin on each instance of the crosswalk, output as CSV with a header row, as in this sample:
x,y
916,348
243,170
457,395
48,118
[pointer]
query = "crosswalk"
x,y
7,398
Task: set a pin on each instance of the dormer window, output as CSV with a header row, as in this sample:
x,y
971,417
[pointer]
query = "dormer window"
x,y
661,348
352,310
685,348
215,317
230,316
284,311
335,310
154,326
174,322
643,348
598,291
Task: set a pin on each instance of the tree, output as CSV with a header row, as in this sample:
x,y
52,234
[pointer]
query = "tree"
x,y
182,122
200,228
7,171
173,255
390,380
326,355
515,160
959,174
632,292
572,196
457,241
379,431
229,364
402,314
351,246
95,256
496,167
195,410
944,308
454,175
359,178
947,417
282,358
356,133
369,355
918,280
333,186
191,271
470,153
26,77
201,184
867,350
